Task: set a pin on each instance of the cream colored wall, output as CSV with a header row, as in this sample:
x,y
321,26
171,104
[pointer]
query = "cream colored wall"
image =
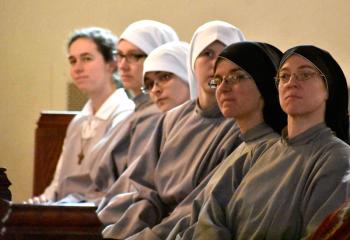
x,y
34,70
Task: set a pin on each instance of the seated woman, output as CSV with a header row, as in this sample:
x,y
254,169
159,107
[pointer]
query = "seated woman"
x,y
297,181
165,75
136,42
92,56
186,146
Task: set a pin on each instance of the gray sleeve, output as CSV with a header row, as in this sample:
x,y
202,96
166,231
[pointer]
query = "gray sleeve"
x,y
184,228
180,218
133,203
327,189
211,222
130,212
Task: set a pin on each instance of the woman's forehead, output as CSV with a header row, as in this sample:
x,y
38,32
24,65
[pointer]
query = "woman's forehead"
x,y
225,64
127,46
297,61
213,45
82,45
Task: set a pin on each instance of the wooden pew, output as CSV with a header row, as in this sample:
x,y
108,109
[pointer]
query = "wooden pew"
x,y
49,136
39,222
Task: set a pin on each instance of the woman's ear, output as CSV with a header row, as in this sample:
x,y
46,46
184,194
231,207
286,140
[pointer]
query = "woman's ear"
x,y
326,96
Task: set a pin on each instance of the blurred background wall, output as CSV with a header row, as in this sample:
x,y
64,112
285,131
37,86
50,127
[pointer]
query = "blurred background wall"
x,y
34,68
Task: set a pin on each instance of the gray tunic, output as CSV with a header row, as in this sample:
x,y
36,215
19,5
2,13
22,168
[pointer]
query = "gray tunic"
x,y
291,187
185,148
113,154
220,183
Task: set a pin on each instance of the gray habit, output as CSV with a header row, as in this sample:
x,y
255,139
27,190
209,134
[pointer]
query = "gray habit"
x,y
291,187
185,148
232,168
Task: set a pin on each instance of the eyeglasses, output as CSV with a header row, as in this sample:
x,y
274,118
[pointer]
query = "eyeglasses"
x,y
130,57
301,76
231,79
160,81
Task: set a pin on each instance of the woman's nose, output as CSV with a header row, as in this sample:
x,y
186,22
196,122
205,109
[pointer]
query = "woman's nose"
x,y
78,67
123,64
155,88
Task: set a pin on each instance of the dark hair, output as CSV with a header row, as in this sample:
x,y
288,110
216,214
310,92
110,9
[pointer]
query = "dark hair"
x,y
104,39
337,116
260,60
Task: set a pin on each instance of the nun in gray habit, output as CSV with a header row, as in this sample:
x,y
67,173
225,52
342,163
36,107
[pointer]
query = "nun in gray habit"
x,y
186,146
301,178
256,131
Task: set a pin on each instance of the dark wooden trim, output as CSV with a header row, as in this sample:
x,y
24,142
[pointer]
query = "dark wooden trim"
x,y
23,221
